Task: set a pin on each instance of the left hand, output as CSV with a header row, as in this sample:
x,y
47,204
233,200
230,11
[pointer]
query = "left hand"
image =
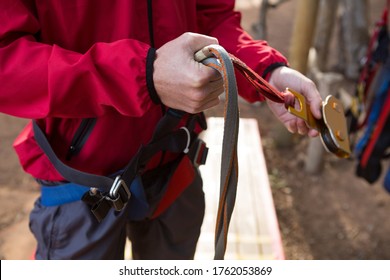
x,y
284,77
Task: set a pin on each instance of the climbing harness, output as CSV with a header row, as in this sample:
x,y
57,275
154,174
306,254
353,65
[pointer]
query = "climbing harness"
x,y
376,56
370,110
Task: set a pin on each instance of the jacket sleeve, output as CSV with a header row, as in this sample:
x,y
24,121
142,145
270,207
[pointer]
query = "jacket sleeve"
x,y
40,80
217,18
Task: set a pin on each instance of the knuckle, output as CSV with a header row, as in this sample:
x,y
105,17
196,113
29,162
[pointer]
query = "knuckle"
x,y
189,37
199,81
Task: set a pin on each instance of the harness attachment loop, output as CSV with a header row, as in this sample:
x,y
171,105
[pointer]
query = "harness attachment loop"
x,y
186,150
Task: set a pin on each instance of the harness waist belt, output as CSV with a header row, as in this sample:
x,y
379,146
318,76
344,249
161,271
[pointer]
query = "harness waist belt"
x,y
61,194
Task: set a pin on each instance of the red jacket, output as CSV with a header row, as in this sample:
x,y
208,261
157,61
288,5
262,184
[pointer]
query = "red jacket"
x,y
65,60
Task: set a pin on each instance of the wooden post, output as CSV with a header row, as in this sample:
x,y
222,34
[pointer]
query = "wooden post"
x,y
323,34
353,26
301,41
303,33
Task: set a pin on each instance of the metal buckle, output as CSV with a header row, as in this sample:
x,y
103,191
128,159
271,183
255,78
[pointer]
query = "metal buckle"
x,y
119,198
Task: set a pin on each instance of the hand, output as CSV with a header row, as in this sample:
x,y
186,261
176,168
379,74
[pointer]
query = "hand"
x,y
283,77
180,81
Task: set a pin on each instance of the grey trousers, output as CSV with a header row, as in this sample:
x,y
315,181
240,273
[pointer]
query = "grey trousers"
x,y
70,231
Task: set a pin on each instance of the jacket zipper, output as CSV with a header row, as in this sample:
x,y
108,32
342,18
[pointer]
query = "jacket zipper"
x,y
80,137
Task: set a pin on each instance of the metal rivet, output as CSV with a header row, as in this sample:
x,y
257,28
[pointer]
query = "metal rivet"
x,y
340,135
336,107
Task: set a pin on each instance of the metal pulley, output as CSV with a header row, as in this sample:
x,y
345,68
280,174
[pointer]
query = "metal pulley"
x,y
332,127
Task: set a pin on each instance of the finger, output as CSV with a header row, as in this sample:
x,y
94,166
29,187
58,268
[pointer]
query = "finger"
x,y
211,90
212,98
291,127
313,133
196,42
315,108
215,81
200,100
215,87
302,127
203,94
314,100
196,108
211,73
210,104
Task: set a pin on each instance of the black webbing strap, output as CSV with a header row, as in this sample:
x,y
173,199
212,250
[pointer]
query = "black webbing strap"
x,y
70,174
163,139
166,137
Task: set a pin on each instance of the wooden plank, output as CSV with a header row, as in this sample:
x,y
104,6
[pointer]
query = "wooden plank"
x,y
254,231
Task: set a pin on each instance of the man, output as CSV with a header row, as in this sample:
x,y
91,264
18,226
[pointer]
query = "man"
x,y
98,76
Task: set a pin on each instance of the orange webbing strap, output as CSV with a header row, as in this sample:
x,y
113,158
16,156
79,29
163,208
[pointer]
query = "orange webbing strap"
x,y
216,57
261,85
229,164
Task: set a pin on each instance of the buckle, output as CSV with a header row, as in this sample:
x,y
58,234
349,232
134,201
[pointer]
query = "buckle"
x,y
200,154
119,194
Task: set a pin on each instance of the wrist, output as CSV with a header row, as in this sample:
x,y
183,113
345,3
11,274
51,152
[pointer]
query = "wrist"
x,y
271,68
273,77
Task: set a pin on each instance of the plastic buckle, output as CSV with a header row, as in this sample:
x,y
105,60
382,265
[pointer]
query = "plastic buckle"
x,y
119,194
200,153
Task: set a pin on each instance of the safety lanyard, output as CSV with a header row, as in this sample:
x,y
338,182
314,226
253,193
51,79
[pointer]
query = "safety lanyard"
x,y
331,127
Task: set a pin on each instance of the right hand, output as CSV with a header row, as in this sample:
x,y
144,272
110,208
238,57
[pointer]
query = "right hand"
x,y
183,83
